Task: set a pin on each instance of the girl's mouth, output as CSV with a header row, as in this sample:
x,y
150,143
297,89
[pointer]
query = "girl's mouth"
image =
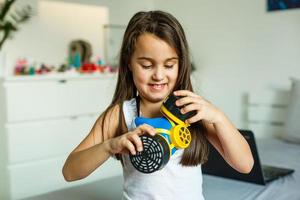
x,y
157,86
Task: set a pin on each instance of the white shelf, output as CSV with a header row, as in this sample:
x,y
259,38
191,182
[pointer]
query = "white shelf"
x,y
60,76
42,119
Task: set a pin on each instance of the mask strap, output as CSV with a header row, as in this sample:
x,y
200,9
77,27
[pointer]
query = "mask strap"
x,y
137,100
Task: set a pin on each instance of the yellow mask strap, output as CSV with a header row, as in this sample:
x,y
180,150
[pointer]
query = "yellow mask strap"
x,y
172,117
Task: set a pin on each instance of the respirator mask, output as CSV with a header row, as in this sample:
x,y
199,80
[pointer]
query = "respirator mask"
x,y
172,134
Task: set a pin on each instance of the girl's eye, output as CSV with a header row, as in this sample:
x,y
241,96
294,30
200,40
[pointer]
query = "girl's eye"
x,y
169,66
146,66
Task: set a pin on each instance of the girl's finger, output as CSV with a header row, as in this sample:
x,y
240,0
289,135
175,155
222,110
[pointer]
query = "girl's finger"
x,y
125,151
145,128
195,118
128,144
191,107
184,93
137,141
186,100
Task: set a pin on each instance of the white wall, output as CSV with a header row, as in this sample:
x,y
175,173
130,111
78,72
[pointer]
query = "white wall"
x,y
238,46
53,27
45,38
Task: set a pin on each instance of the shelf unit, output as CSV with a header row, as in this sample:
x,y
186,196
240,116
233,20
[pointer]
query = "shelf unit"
x,y
42,119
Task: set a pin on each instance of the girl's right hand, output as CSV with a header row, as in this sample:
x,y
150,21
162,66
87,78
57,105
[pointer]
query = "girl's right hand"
x,y
130,142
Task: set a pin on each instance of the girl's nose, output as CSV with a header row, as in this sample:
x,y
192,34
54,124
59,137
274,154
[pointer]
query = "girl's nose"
x,y
158,74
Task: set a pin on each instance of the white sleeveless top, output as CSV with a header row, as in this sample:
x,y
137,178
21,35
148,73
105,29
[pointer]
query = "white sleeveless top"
x,y
172,182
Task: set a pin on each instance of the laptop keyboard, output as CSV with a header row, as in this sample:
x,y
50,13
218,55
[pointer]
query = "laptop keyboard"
x,y
270,172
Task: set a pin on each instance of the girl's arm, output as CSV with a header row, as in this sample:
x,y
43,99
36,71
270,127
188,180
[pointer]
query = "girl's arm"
x,y
230,144
93,151
99,145
221,133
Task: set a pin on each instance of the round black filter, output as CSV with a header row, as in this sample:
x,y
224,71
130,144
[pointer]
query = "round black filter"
x,y
170,105
155,154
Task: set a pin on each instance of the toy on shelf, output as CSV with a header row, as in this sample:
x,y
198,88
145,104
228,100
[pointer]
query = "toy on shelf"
x,y
80,52
88,68
78,61
21,67
63,68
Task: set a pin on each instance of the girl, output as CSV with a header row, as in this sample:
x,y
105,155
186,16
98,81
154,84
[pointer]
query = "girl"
x,y
154,62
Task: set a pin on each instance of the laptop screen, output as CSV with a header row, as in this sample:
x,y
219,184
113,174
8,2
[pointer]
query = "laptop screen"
x,y
217,166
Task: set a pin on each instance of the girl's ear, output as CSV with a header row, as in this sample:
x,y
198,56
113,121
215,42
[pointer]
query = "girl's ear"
x,y
129,67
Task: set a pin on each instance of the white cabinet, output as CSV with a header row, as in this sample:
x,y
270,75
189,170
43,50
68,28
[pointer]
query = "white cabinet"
x,y
41,121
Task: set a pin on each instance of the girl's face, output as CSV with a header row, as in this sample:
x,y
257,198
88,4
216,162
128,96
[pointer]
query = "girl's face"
x,y
154,66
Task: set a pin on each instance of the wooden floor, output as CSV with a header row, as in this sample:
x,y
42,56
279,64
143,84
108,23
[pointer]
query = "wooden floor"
x,y
107,189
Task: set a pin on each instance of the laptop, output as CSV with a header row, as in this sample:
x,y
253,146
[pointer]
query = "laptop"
x,y
260,174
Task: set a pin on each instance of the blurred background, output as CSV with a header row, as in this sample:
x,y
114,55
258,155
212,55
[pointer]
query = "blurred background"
x,y
244,54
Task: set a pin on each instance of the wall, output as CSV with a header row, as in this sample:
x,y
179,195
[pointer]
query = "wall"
x,y
46,36
237,46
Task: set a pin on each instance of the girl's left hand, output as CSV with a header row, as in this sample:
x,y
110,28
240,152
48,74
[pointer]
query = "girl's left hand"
x,y
193,102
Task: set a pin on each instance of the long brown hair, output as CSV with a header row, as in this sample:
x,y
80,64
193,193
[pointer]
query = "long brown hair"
x,y
167,28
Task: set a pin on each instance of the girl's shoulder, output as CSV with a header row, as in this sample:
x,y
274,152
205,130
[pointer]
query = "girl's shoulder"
x,y
129,106
129,109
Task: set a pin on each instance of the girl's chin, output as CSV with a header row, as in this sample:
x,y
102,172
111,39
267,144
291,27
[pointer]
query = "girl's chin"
x,y
158,98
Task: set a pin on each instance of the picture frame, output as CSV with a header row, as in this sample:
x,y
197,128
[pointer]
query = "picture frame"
x,y
278,5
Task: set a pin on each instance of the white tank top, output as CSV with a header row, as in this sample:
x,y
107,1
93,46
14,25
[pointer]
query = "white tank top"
x,y
172,182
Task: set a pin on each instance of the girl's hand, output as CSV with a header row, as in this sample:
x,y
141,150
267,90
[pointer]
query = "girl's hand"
x,y
193,102
130,142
